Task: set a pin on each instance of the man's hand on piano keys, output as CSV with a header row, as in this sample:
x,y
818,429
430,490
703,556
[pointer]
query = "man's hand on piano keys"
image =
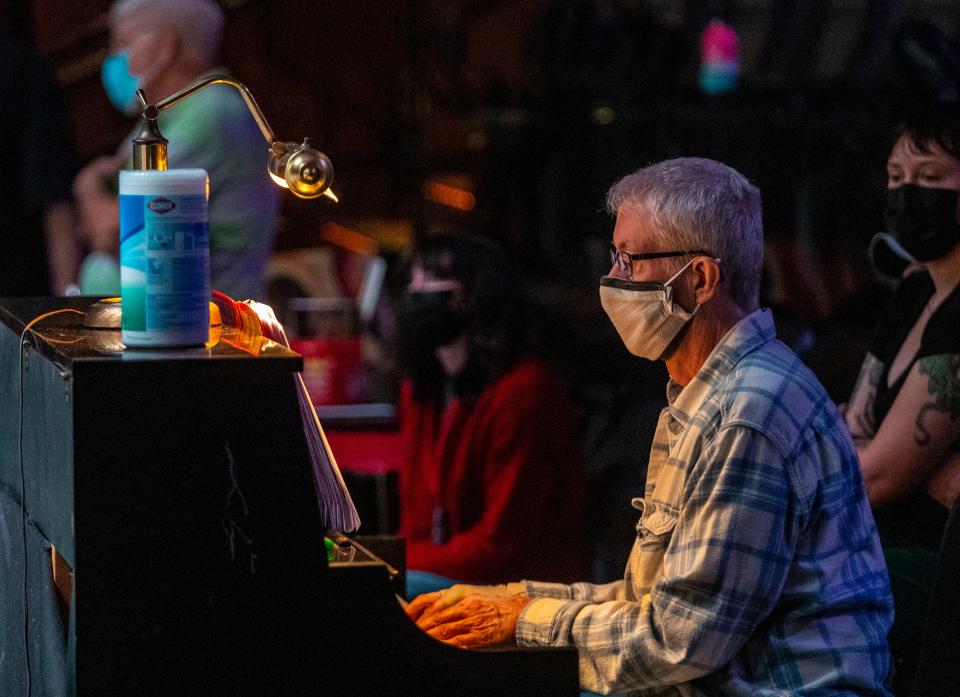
x,y
475,621
425,605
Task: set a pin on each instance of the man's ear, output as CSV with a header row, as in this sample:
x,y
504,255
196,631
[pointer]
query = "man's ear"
x,y
706,278
167,45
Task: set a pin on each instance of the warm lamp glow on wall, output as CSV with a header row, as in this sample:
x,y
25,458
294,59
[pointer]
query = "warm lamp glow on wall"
x,y
308,173
448,195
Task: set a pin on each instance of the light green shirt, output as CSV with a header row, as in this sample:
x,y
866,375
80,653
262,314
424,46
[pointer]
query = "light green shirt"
x,y
213,130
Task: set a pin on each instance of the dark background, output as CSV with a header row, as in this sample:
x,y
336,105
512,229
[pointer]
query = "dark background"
x,y
536,106
514,117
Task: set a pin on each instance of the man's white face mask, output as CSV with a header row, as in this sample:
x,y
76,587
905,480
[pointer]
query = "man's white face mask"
x,y
644,313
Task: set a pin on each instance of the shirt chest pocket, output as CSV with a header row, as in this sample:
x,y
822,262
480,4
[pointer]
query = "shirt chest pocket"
x,y
657,522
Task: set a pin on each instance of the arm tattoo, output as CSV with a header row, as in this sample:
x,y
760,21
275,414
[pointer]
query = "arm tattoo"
x,y
943,384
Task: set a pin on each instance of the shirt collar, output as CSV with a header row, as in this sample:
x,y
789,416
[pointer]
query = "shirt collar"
x,y
168,116
752,331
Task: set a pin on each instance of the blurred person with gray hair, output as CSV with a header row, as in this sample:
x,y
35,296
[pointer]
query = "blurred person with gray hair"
x,y
756,568
161,46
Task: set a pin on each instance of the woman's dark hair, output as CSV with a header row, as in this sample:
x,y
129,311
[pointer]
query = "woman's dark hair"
x,y
931,124
495,312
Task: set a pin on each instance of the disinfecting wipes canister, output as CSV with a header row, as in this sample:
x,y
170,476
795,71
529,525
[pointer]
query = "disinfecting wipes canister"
x,y
164,257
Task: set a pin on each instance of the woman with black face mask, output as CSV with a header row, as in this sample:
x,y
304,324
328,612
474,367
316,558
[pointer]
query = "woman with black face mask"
x,y
904,413
492,479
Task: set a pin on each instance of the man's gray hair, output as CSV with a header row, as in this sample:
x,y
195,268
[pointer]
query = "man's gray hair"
x,y
698,203
198,23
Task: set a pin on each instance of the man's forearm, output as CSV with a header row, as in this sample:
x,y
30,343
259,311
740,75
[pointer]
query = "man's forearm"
x,y
63,247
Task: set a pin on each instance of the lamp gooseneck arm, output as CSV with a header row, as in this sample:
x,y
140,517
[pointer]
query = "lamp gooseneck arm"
x,y
305,171
221,79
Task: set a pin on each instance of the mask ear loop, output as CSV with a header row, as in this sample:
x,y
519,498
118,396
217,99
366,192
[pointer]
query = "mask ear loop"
x,y
682,269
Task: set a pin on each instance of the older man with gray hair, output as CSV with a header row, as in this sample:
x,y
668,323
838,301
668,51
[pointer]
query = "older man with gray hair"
x,y
162,46
757,568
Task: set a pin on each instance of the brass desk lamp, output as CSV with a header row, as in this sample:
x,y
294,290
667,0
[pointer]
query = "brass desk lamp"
x,y
308,173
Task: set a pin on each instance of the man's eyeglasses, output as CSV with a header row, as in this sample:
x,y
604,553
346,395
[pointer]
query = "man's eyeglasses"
x,y
624,260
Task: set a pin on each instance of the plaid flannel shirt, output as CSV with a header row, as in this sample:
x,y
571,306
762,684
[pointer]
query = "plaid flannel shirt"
x,y
757,569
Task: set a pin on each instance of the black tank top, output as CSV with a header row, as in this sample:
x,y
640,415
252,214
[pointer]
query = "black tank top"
x,y
918,519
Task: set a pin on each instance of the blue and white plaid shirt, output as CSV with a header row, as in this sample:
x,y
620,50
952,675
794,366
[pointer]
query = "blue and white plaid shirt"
x,y
757,569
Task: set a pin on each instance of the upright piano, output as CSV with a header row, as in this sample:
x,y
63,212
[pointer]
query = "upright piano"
x,y
160,534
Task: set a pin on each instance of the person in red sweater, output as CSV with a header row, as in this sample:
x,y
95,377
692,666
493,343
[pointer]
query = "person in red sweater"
x,y
492,479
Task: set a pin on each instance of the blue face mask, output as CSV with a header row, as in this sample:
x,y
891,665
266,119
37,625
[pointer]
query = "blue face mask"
x,y
120,84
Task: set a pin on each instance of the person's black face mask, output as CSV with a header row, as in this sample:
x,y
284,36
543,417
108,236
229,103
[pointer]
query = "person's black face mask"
x,y
923,220
427,319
